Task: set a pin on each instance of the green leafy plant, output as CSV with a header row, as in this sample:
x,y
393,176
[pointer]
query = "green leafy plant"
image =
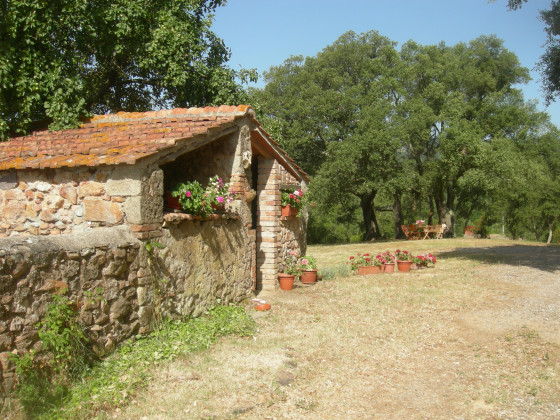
x,y
307,262
363,260
120,55
44,377
218,192
334,272
192,199
387,257
159,280
197,200
402,255
427,260
297,199
114,381
63,336
417,260
291,264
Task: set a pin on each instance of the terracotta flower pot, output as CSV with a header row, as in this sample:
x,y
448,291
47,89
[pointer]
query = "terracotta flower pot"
x,y
389,268
289,211
369,269
286,281
404,266
308,276
172,202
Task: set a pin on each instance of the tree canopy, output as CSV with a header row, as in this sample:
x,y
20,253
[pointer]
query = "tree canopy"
x,y
432,131
63,59
549,63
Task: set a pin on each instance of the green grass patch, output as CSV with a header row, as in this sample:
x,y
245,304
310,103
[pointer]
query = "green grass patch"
x,y
114,380
337,271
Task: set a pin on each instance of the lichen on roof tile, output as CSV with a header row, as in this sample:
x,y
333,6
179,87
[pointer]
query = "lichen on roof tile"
x,y
123,137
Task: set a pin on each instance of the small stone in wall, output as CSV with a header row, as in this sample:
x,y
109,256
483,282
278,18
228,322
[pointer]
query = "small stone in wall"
x,y
43,186
69,193
15,194
102,211
48,215
14,212
91,189
54,202
120,308
16,324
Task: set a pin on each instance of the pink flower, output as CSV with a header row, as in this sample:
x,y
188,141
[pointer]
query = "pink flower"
x,y
220,199
304,261
298,192
188,194
292,252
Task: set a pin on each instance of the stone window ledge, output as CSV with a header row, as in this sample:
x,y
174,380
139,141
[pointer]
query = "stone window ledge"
x,y
176,218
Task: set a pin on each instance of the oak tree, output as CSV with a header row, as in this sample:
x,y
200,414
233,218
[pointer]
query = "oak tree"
x,y
63,59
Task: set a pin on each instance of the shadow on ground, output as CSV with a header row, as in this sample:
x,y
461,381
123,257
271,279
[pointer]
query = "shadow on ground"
x,y
546,258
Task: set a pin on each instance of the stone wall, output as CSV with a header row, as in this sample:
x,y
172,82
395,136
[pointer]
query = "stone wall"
x,y
117,293
57,201
101,271
207,260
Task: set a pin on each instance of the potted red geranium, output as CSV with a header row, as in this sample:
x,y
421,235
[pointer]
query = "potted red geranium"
x,y
291,270
404,260
388,260
292,202
307,266
365,264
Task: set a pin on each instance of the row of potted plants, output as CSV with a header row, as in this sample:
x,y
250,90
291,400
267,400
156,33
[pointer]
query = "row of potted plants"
x,y
193,198
385,262
305,268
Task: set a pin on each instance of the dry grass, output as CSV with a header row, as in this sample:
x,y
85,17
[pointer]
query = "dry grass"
x,y
475,337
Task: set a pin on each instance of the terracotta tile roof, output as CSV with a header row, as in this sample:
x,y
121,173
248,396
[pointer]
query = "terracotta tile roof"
x,y
118,138
285,160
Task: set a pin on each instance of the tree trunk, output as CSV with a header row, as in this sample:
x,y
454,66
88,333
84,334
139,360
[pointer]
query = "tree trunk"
x,y
397,217
370,221
469,214
431,214
550,230
535,230
446,210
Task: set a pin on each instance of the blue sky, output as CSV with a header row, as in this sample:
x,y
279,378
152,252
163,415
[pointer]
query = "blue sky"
x,y
263,33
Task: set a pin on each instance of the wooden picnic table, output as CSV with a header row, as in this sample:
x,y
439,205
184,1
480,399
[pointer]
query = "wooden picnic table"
x,y
414,231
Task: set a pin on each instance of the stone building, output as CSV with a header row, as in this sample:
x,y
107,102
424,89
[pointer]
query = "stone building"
x,y
78,206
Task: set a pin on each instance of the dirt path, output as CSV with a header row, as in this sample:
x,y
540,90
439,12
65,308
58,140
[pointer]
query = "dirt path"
x,y
475,337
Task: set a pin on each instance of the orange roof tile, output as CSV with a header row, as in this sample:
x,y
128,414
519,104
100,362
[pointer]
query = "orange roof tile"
x,y
124,137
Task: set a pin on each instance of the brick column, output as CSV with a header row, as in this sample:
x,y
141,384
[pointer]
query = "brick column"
x,y
268,225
